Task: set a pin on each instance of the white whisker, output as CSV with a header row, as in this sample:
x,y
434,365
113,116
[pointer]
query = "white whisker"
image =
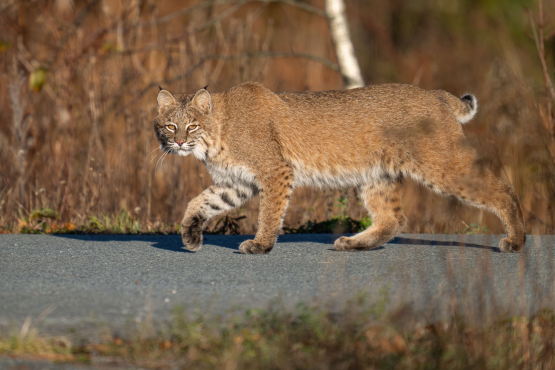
x,y
161,157
153,158
164,157
149,154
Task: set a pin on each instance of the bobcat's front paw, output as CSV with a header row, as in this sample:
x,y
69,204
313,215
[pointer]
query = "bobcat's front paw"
x,y
191,233
508,246
252,247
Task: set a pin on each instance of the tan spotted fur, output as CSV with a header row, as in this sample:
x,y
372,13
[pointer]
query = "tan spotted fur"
x,y
255,141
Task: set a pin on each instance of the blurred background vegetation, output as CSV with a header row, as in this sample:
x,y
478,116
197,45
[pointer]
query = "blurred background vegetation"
x,y
79,79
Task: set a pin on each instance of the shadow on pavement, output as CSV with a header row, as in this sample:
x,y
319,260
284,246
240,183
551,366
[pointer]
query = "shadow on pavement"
x,y
173,242
167,242
448,243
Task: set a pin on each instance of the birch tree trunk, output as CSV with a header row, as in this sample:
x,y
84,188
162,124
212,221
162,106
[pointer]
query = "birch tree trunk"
x,y
344,50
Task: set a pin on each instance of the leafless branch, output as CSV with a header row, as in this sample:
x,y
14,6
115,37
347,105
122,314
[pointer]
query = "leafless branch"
x,y
207,4
259,54
20,122
222,15
540,45
546,112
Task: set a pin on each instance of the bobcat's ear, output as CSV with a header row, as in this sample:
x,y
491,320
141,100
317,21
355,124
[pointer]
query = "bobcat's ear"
x,y
165,100
202,101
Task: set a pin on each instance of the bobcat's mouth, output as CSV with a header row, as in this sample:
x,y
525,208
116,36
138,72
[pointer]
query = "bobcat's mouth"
x,y
181,150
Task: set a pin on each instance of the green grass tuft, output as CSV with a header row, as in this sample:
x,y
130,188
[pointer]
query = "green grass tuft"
x,y
335,225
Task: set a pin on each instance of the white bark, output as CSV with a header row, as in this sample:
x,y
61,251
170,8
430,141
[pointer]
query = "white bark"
x,y
344,50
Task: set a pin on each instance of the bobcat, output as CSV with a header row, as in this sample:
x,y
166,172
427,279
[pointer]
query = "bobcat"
x,y
253,140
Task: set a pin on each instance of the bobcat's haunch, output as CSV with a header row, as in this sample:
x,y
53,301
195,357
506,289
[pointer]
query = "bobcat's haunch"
x,y
253,140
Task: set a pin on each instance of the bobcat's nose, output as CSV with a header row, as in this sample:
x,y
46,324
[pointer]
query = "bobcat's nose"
x,y
180,142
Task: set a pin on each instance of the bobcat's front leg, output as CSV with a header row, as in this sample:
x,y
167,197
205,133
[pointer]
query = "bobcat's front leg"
x,y
274,198
211,202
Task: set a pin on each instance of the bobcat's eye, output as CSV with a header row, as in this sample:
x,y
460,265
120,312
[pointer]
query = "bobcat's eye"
x,y
192,127
172,127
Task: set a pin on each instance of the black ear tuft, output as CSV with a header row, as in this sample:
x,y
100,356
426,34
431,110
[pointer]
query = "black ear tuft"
x,y
205,87
160,87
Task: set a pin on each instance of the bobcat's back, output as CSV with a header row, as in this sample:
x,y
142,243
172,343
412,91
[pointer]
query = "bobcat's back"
x,y
347,138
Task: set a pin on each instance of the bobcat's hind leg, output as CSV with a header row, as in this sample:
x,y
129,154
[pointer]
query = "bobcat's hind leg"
x,y
211,202
383,200
485,190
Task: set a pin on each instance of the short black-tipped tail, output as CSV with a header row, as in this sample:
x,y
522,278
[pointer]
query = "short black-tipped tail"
x,y
463,108
469,111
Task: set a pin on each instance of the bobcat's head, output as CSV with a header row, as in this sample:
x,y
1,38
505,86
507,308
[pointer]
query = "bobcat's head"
x,y
184,127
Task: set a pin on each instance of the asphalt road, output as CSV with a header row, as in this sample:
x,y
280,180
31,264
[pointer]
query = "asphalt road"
x,y
77,280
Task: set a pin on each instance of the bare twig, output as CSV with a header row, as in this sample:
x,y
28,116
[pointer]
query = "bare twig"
x,y
547,79
546,113
20,123
540,45
259,54
303,6
221,16
207,4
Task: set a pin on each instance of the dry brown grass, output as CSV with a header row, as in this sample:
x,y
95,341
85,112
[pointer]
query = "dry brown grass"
x,y
308,338
79,80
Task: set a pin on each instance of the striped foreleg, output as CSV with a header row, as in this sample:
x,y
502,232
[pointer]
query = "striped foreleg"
x,y
211,202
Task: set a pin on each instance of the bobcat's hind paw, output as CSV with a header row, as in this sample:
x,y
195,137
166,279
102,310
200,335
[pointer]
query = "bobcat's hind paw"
x,y
252,247
352,245
508,246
